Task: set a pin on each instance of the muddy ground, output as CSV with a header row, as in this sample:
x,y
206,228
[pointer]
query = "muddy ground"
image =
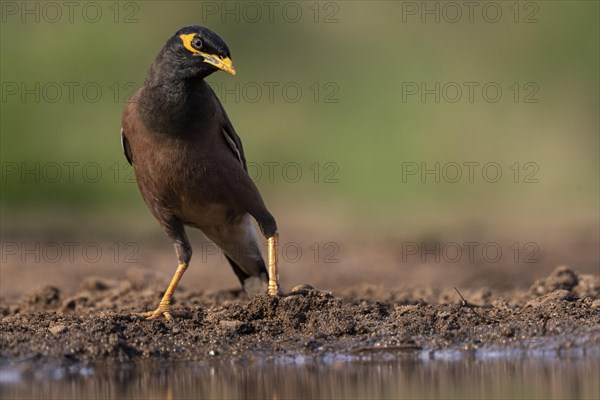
x,y
99,322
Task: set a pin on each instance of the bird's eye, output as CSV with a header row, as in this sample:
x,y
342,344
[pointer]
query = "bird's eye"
x,y
197,43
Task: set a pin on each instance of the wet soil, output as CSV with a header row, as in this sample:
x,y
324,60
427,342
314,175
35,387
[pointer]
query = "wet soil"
x,y
100,322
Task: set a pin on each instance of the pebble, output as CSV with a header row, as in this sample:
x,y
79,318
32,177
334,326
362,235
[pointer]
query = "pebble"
x,y
57,329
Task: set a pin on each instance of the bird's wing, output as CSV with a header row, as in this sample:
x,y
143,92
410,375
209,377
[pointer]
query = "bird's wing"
x,y
231,137
126,147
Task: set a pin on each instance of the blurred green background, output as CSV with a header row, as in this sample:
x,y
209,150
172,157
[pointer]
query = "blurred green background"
x,y
352,127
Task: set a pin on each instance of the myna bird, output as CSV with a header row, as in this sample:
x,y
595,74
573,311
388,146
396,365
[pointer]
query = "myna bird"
x,y
190,165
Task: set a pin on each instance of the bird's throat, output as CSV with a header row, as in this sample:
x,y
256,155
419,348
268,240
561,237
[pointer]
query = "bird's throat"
x,y
171,105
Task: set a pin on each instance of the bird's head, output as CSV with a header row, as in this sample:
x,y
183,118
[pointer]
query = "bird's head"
x,y
199,51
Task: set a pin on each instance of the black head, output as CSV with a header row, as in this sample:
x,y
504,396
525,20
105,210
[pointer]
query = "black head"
x,y
199,51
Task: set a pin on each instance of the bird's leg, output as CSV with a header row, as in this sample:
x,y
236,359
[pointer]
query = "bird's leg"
x,y
164,307
184,254
273,244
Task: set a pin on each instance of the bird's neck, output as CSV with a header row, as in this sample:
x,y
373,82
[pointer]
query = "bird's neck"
x,y
171,102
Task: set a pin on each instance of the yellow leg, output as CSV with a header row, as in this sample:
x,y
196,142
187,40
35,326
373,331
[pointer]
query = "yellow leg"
x,y
273,243
164,307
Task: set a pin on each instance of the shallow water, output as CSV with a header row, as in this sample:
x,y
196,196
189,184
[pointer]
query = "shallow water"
x,y
444,374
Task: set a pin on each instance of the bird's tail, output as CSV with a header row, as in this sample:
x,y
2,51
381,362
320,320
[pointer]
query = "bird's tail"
x,y
252,284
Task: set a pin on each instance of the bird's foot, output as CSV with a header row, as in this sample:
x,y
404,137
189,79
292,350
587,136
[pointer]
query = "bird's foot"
x,y
161,310
302,288
299,290
273,290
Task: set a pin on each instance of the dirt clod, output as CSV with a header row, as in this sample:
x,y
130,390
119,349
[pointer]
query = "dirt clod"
x,y
561,278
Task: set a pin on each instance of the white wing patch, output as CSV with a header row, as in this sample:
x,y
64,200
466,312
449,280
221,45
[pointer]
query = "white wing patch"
x,y
233,146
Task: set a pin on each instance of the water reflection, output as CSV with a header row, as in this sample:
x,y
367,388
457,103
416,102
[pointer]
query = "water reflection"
x,y
381,376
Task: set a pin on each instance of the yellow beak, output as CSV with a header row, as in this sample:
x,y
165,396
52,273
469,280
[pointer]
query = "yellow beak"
x,y
224,64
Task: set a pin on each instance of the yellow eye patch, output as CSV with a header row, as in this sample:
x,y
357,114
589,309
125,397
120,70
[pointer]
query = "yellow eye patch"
x,y
187,42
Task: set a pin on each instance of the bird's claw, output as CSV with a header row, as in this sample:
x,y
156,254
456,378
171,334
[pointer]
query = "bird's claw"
x,y
156,314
